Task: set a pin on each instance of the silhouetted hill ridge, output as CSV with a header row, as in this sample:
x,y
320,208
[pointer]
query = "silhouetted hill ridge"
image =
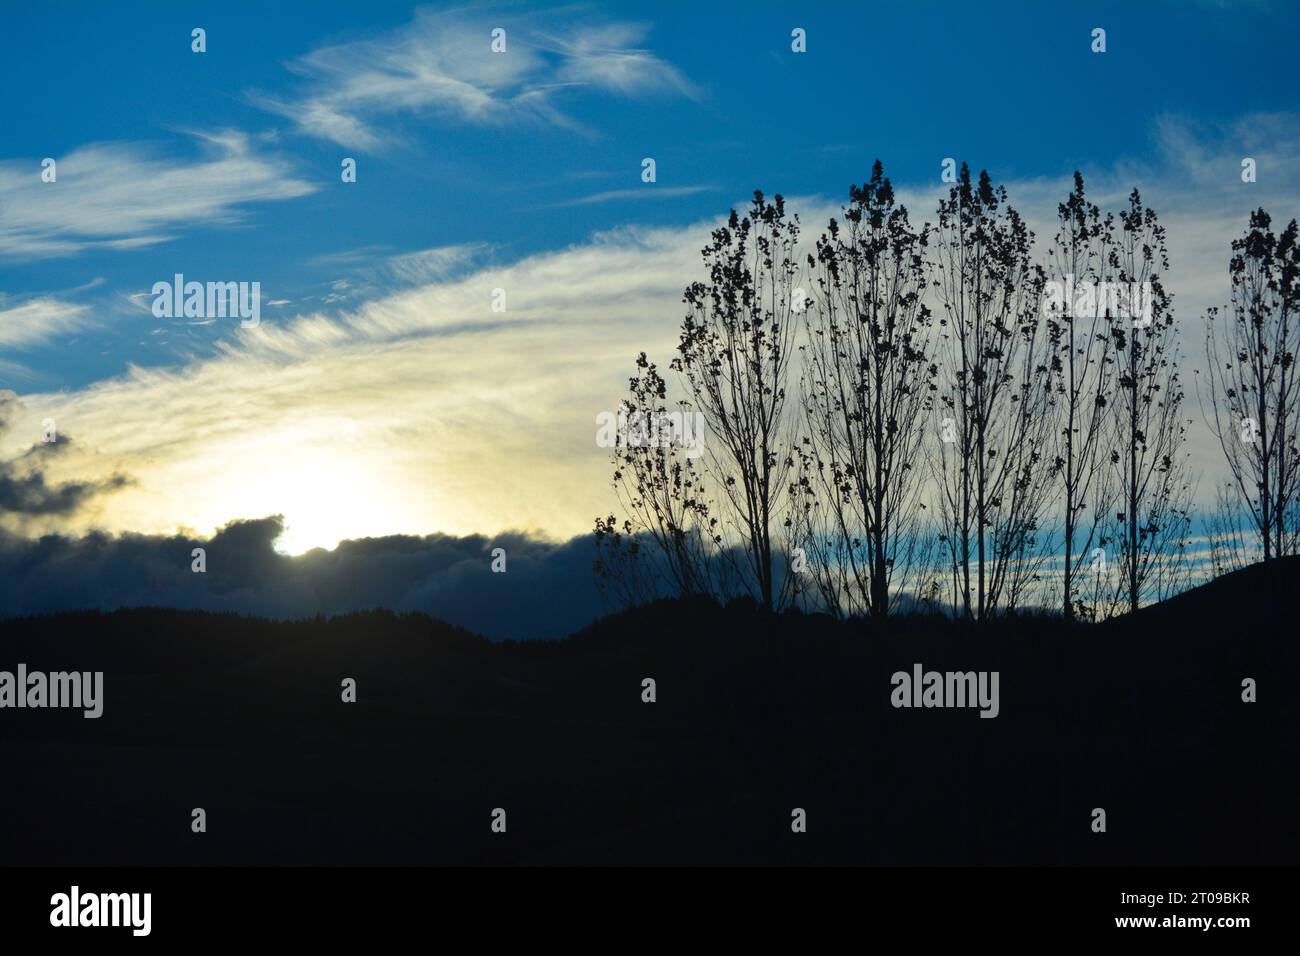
x,y
1257,590
1265,590
754,714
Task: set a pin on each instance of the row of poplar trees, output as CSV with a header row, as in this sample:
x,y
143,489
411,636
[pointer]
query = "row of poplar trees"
x,y
900,414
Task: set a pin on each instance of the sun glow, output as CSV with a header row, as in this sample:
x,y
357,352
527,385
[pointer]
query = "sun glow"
x,y
327,492
327,499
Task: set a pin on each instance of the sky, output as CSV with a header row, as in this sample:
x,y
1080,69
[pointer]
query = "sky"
x,y
381,394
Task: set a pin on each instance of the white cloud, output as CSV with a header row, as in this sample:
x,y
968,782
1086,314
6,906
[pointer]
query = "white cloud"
x,y
605,57
639,193
119,196
13,372
441,64
433,265
35,321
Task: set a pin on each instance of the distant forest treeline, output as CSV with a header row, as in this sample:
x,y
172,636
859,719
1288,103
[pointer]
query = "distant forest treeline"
x,y
937,414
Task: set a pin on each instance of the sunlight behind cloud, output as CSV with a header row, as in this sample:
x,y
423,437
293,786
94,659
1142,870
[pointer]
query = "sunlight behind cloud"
x,y
325,497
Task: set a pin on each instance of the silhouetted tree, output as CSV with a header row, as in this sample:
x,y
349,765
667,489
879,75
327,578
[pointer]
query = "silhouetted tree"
x,y
993,399
734,356
868,380
1253,385
1147,457
660,490
1080,362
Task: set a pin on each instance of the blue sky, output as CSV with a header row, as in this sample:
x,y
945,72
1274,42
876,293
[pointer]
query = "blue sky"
x,y
380,394
1013,87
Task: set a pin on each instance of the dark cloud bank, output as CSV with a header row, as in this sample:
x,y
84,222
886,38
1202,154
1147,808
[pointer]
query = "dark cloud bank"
x,y
24,492
547,590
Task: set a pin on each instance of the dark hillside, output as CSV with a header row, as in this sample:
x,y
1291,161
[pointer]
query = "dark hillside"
x,y
755,716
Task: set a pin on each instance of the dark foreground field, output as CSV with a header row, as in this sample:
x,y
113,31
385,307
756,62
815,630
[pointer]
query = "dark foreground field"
x,y
1142,717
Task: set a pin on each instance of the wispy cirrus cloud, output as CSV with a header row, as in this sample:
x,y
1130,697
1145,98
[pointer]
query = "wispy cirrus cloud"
x,y
420,408
124,196
375,271
33,321
606,57
442,64
433,265
641,193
